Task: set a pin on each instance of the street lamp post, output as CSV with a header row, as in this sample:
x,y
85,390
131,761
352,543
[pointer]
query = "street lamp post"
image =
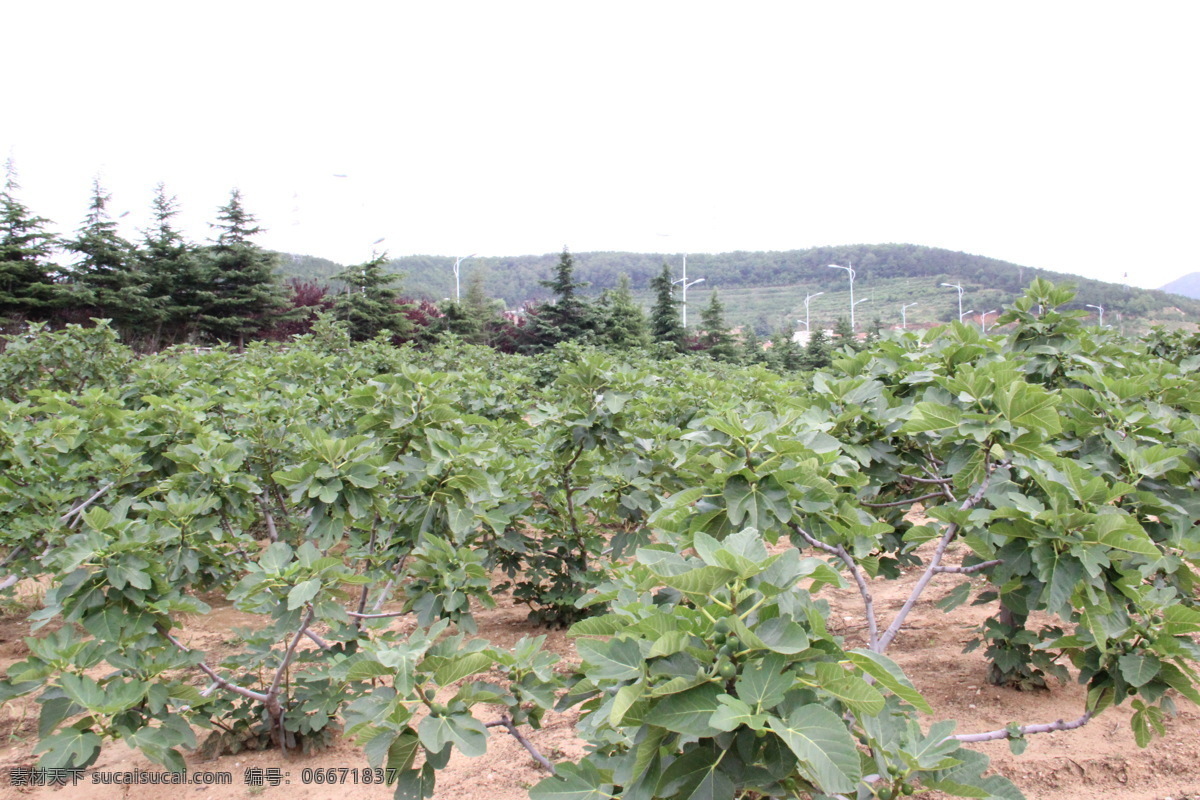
x,y
808,297
960,291
850,272
983,320
1101,310
457,261
904,316
686,284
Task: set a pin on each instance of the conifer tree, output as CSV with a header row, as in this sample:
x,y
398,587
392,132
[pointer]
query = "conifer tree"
x,y
752,349
816,352
104,280
477,301
368,305
785,355
623,323
476,316
567,318
874,331
175,278
27,288
458,320
715,339
843,334
248,295
665,325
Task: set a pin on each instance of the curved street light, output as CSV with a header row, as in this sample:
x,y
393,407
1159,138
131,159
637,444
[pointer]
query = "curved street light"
x,y
850,272
960,291
983,319
858,303
686,284
457,261
904,316
807,298
1101,310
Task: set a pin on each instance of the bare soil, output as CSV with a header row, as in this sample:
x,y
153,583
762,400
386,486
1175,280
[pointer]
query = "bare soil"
x,y
1099,760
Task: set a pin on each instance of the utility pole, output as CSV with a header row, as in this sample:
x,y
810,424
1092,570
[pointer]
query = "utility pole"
x,y
807,298
960,291
457,261
850,272
685,283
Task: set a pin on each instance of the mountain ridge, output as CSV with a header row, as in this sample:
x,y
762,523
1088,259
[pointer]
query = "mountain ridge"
x,y
1186,285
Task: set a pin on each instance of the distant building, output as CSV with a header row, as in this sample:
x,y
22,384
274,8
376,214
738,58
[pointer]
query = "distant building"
x,y
801,337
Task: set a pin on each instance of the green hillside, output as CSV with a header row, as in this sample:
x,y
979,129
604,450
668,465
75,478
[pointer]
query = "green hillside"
x,y
767,289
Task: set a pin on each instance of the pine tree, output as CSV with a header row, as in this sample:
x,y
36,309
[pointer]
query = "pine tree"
x,y
27,288
104,280
248,295
175,277
715,339
874,331
816,352
785,354
665,326
752,350
843,334
622,321
456,319
369,303
567,318
477,301
477,314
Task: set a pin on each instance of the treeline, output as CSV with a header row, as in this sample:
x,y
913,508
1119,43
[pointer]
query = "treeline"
x,y
613,321
158,291
164,290
517,279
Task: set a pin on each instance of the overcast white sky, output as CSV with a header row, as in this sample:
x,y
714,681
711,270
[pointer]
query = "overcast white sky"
x,y
1060,135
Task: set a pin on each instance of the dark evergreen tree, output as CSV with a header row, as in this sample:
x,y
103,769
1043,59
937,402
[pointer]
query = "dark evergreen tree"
x,y
175,277
816,352
622,321
785,354
752,350
369,303
248,295
27,288
105,280
665,325
843,334
482,312
458,320
477,299
874,330
567,318
715,338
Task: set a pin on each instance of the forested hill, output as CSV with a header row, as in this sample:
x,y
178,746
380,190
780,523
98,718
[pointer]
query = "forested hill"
x,y
767,289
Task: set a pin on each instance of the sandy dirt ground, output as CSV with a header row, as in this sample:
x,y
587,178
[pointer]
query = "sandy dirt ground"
x,y
1100,760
